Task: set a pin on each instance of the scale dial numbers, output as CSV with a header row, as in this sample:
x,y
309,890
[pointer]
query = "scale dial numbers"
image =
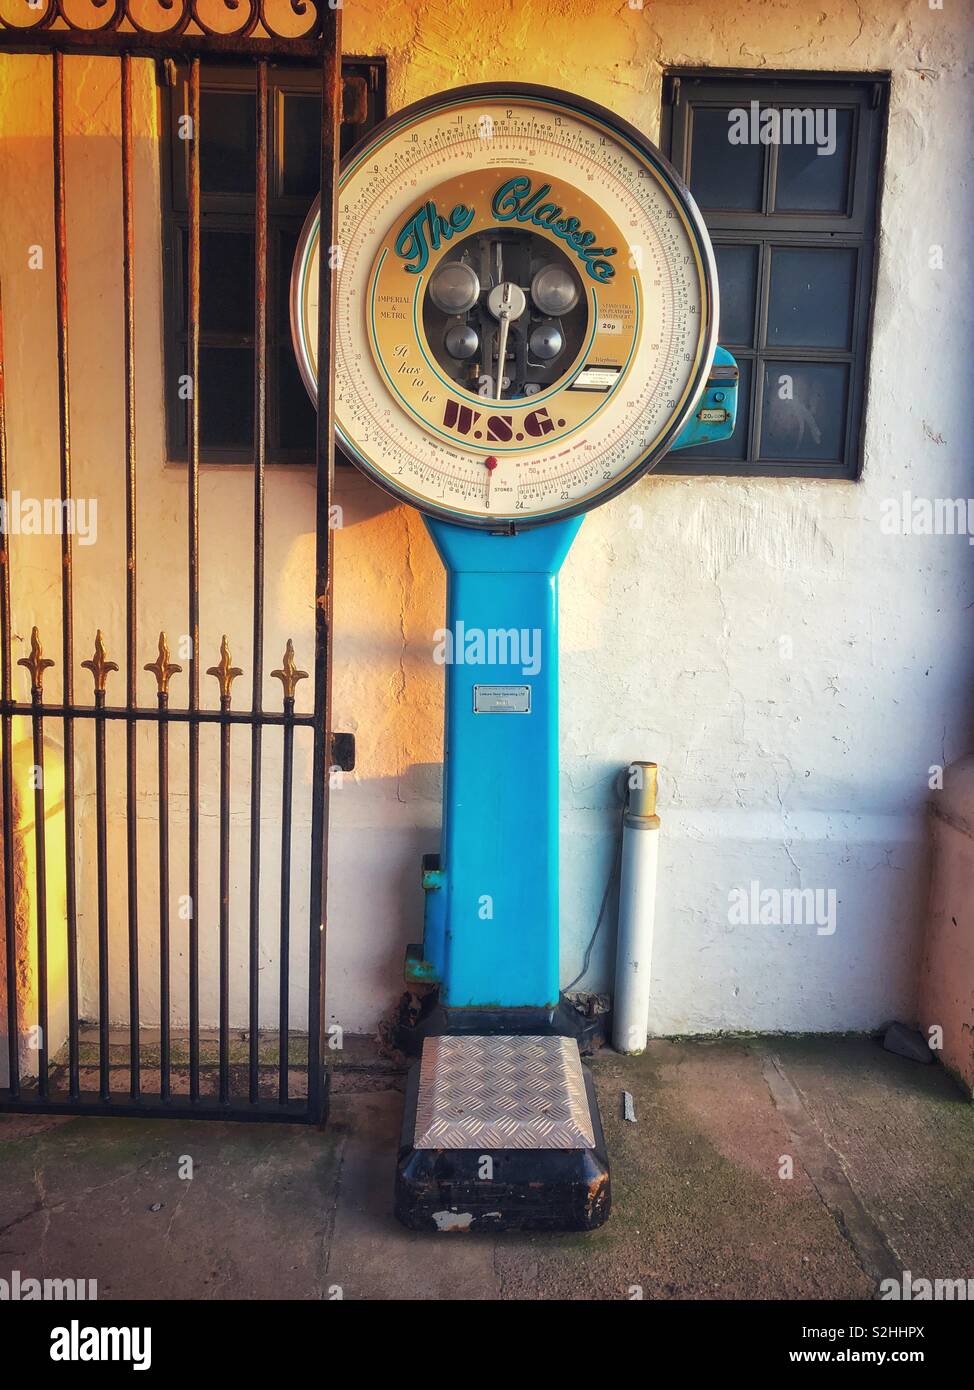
x,y
525,306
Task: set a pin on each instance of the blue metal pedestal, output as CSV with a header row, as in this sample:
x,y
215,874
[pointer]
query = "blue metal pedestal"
x,y
491,926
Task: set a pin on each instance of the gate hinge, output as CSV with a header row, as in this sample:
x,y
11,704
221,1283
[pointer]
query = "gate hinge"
x,y
166,73
355,99
673,88
343,752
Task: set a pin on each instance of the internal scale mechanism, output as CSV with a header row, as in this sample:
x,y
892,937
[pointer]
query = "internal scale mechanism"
x,y
526,321
503,332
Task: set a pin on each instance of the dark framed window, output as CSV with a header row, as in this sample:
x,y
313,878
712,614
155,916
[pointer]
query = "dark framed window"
x,y
794,234
228,113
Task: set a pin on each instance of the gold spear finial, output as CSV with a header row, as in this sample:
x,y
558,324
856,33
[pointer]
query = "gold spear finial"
x,y
98,665
224,672
290,675
162,668
37,663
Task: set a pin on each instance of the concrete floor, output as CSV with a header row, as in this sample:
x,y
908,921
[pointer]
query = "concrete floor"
x,y
883,1180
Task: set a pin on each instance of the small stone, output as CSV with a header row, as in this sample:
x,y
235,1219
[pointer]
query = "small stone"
x,y
157,1206
907,1042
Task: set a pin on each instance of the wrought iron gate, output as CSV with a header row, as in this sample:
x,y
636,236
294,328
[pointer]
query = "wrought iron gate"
x,y
247,1072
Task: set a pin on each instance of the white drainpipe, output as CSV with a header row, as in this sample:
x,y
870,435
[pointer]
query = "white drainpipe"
x,y
637,911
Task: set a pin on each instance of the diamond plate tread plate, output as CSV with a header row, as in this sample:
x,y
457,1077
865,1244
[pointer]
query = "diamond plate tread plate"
x,y
502,1092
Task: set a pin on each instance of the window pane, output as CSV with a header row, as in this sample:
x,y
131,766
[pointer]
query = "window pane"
x,y
734,448
226,282
737,268
228,142
804,410
302,144
811,298
810,178
297,415
723,175
226,397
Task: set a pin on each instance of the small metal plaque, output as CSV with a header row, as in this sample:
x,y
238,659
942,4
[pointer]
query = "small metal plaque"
x,y
712,415
596,379
502,699
502,1092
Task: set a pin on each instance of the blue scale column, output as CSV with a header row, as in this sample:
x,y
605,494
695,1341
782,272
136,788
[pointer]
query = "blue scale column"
x,y
491,933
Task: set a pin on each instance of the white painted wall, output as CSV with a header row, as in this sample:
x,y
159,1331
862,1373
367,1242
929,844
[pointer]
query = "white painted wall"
x,y
810,771
806,772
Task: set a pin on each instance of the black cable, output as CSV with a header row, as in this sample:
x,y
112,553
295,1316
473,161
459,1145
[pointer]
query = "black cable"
x,y
613,874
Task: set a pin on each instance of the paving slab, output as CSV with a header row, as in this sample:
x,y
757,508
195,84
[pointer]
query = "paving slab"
x,y
755,1168
904,1134
112,1200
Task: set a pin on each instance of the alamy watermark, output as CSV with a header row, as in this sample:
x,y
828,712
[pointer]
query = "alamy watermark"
x,y
20,1288
755,906
907,515
50,516
782,125
911,1290
77,1343
492,646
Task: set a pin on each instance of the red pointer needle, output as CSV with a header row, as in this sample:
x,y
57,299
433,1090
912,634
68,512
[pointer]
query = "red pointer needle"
x,y
490,463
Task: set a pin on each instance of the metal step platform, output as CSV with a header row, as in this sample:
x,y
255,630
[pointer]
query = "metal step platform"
x,y
501,1132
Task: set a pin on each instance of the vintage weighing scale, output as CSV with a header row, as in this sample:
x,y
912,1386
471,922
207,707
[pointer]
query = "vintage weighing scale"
x,y
526,323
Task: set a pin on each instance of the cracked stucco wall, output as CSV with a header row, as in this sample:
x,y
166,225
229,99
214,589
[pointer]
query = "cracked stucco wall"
x,y
794,671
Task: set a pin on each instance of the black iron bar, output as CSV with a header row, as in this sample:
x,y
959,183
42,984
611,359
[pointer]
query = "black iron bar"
x,y
101,852
260,449
165,1050
225,909
296,1112
331,93
284,989
40,854
163,670
131,590
67,586
194,578
168,715
6,753
226,674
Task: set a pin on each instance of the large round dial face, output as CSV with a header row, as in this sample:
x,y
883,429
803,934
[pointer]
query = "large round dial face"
x,y
525,305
